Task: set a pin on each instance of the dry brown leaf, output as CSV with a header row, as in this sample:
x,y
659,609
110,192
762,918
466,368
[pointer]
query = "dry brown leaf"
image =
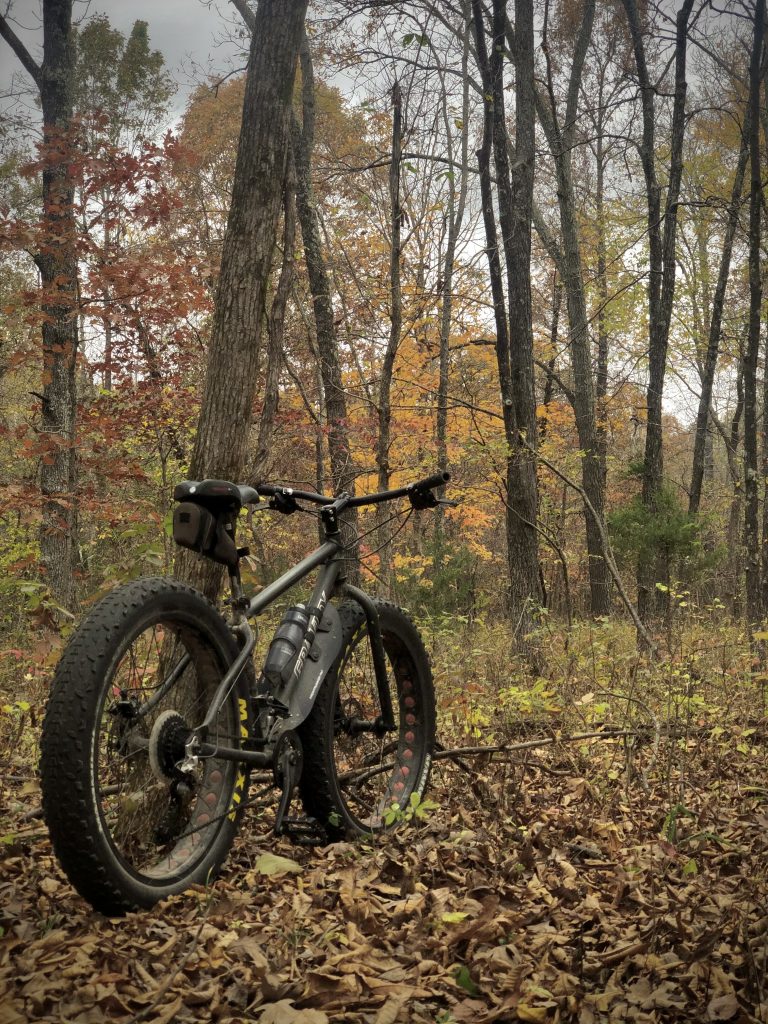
x,y
166,1014
284,1012
389,1012
723,1007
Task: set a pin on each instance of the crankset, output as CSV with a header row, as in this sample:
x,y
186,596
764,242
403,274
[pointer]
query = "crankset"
x,y
288,764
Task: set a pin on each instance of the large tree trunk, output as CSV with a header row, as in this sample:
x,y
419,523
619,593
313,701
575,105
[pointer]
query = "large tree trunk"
x,y
342,466
515,358
225,417
753,609
261,464
527,591
58,272
662,265
57,263
561,142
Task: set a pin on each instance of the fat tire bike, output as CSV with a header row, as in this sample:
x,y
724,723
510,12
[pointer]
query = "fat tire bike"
x,y
157,715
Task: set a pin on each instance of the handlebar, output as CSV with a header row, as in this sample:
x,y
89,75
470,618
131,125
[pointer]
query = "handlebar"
x,y
419,494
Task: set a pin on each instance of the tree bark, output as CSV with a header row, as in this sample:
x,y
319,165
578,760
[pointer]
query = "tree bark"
x,y
514,357
225,416
753,605
662,265
715,329
384,406
57,263
455,218
276,335
561,144
342,466
549,382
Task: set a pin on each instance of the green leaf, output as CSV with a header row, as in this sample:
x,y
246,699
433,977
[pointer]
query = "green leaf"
x,y
690,867
271,864
454,917
464,980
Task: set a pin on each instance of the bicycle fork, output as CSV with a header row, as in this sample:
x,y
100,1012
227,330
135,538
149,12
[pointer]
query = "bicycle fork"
x,y
386,720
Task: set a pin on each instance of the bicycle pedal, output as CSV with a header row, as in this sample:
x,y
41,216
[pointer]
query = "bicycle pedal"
x,y
304,831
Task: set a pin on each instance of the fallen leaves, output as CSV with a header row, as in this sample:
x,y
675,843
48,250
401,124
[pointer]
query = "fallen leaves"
x,y
273,866
564,905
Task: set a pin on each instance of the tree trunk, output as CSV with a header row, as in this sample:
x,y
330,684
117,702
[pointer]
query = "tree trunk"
x,y
276,338
455,218
561,143
514,361
734,536
549,382
753,607
233,360
384,407
715,329
601,378
57,263
662,265
342,466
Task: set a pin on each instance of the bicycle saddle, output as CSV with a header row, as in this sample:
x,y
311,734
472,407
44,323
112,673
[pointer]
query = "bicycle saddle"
x,y
218,495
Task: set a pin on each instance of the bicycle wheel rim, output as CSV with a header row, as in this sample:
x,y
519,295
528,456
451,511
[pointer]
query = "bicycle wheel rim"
x,y
157,836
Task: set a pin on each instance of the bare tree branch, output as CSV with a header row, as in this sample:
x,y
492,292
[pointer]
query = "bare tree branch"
x,y
30,66
245,13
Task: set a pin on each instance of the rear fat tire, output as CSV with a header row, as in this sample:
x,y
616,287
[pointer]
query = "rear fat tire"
x,y
102,830
350,689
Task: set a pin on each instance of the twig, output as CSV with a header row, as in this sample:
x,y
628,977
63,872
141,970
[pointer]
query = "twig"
x,y
545,741
162,990
440,749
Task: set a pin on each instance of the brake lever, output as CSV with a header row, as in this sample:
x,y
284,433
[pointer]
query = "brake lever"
x,y
426,499
284,503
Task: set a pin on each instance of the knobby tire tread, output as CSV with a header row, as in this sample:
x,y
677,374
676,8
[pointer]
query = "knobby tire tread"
x,y
318,785
64,762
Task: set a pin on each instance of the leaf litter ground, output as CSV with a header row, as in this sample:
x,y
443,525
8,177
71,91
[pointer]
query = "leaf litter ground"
x,y
551,888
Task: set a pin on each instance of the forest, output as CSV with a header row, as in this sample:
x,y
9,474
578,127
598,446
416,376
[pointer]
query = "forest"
x,y
522,241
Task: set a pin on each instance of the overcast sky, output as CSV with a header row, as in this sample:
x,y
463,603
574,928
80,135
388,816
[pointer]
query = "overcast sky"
x,y
192,35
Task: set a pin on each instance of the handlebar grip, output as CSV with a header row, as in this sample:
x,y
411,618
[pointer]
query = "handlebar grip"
x,y
436,480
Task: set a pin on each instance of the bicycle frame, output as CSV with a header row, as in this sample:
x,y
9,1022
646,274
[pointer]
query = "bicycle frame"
x,y
329,554
303,686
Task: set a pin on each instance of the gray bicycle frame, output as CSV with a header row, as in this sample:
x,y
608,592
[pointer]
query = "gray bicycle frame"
x,y
328,554
302,687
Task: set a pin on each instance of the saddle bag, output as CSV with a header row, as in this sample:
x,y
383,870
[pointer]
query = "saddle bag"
x,y
195,527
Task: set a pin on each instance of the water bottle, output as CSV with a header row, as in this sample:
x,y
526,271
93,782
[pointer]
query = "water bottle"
x,y
285,645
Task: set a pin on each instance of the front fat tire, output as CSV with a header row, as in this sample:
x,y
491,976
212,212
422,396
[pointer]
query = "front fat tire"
x,y
331,756
101,829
